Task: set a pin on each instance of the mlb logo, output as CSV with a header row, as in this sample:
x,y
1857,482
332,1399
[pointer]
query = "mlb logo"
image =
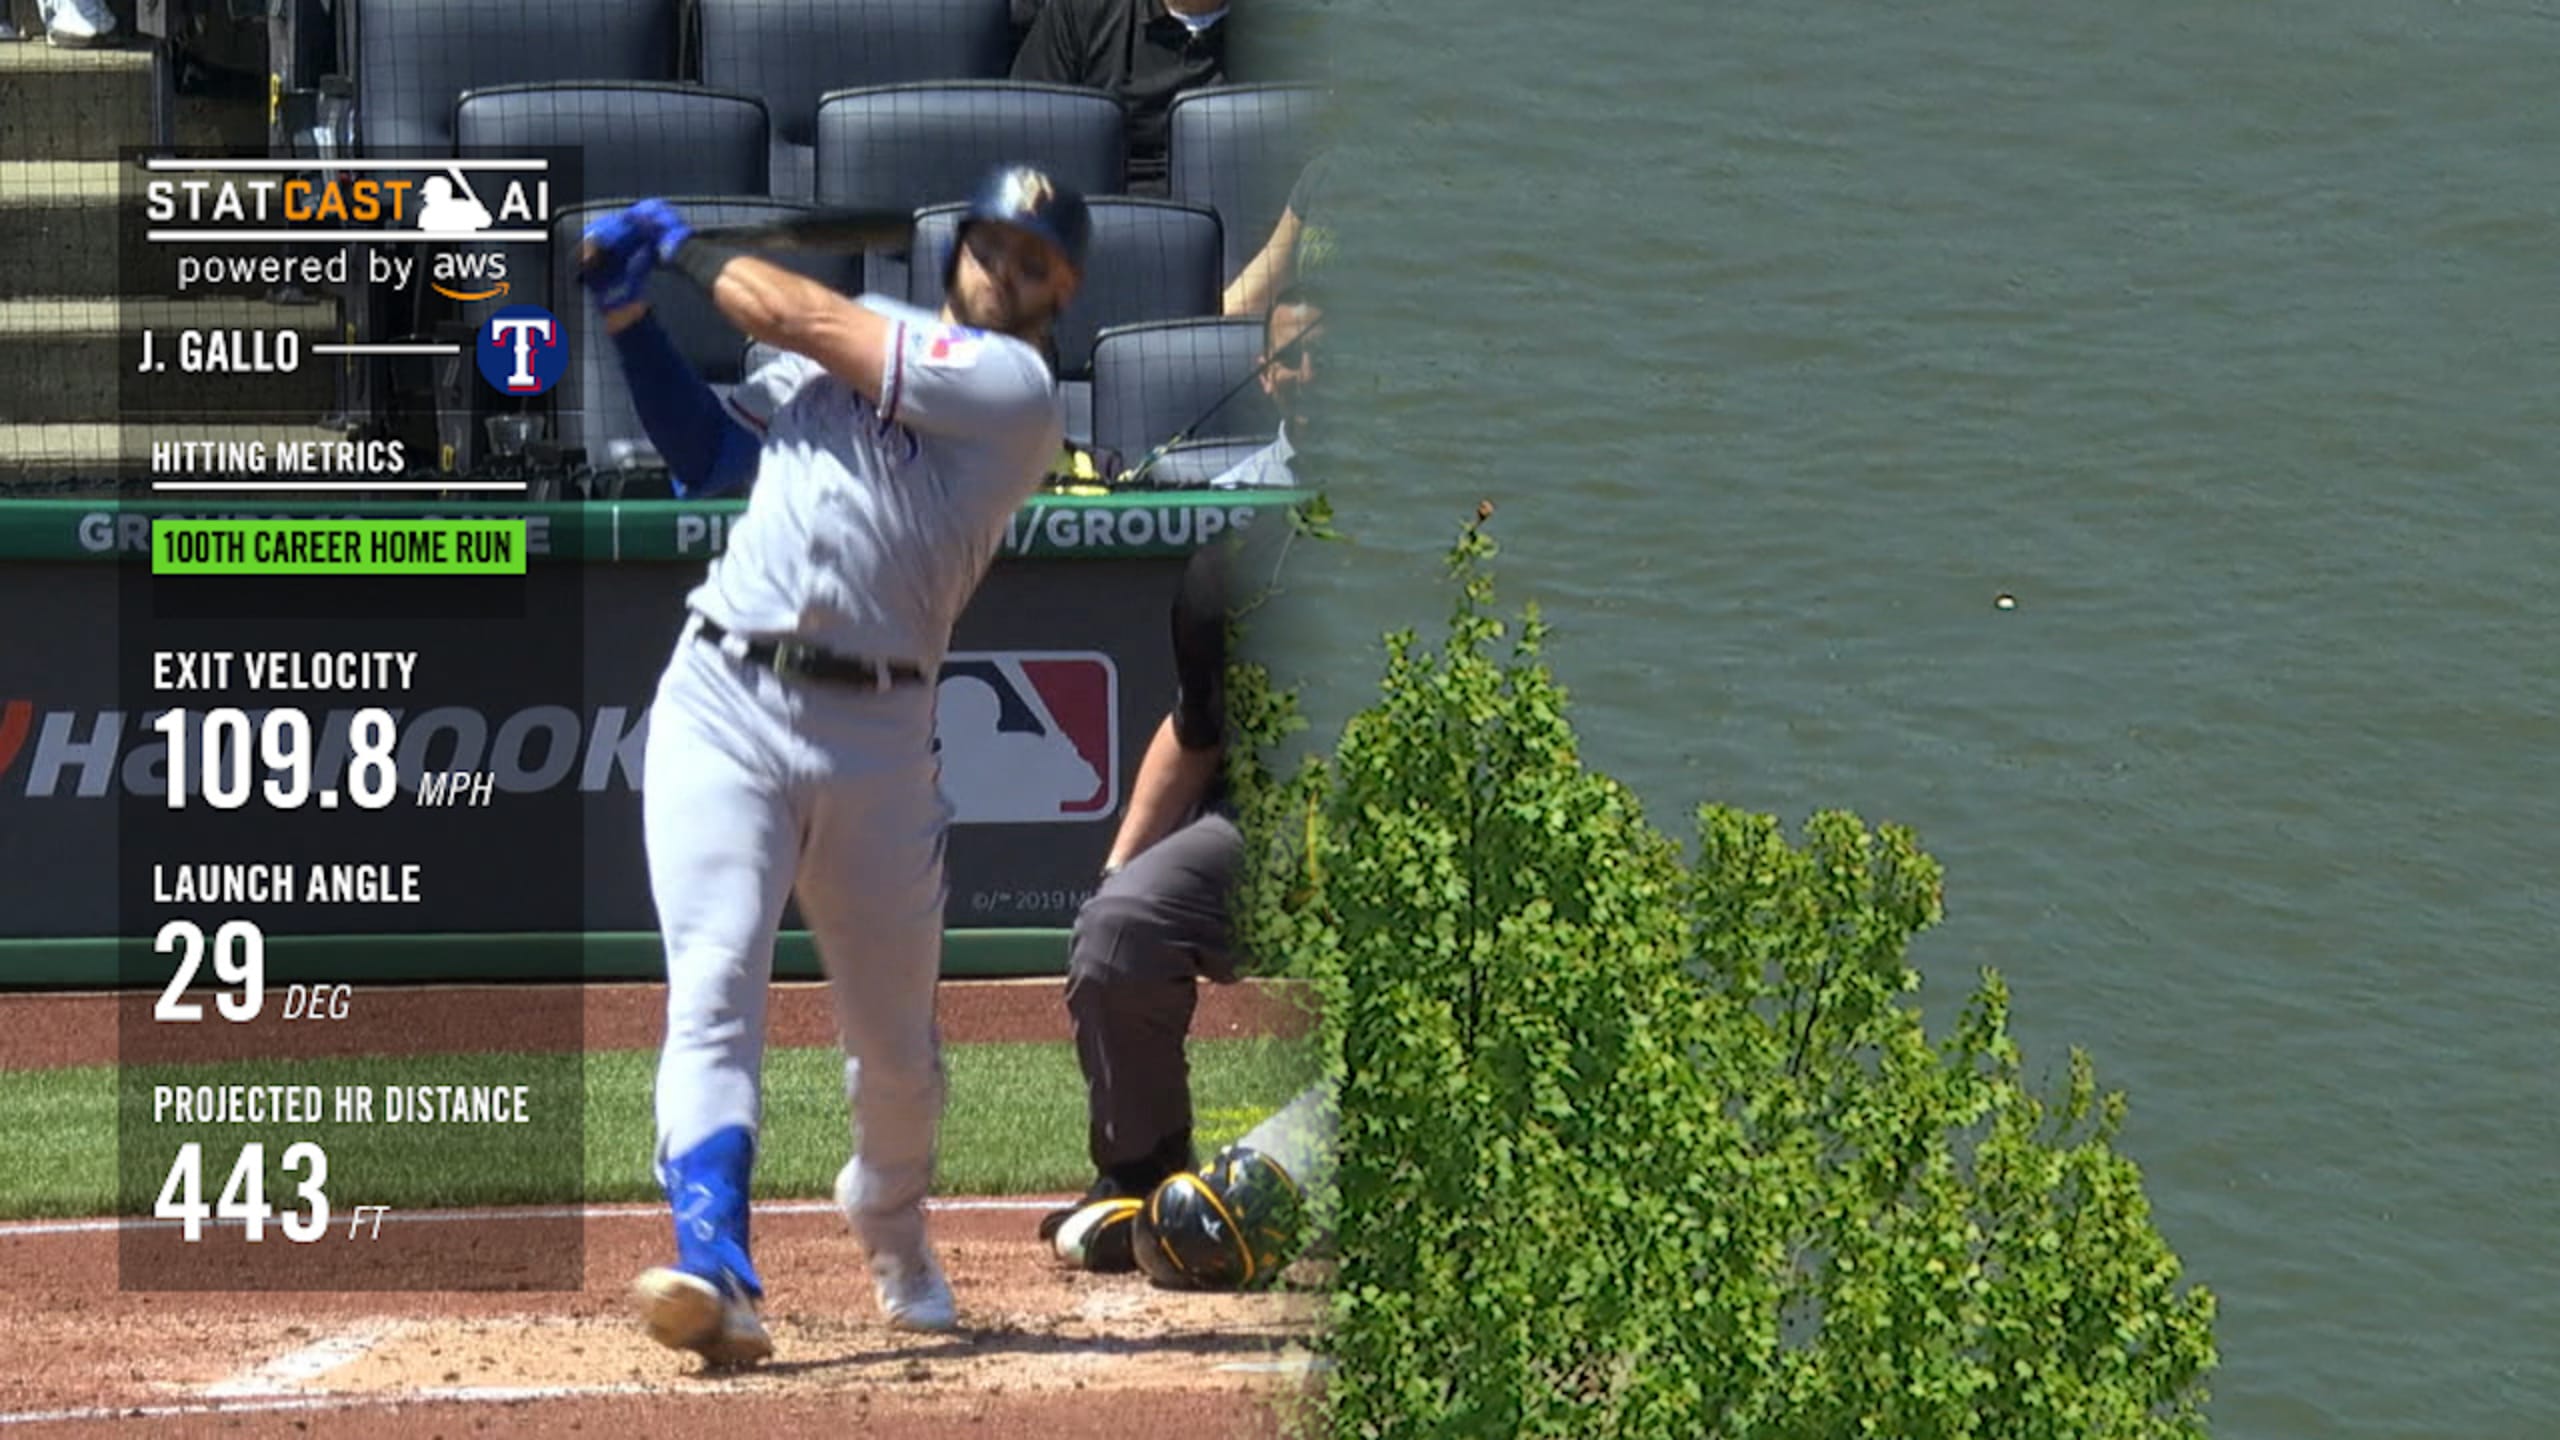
x,y
1029,737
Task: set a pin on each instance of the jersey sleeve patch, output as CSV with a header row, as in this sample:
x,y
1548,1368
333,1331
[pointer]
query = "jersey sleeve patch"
x,y
951,347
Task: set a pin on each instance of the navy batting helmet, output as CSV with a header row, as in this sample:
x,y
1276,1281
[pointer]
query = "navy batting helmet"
x,y
1027,198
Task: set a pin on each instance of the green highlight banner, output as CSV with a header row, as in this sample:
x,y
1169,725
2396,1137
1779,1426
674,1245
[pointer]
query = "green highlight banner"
x,y
292,546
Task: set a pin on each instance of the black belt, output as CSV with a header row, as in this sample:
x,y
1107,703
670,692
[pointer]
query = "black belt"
x,y
800,660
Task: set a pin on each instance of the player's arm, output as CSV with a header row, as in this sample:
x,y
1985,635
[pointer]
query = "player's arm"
x,y
1189,746
936,379
707,452
1263,276
792,312
1171,780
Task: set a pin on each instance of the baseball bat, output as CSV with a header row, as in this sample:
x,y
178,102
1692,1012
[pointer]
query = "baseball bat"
x,y
839,231
835,230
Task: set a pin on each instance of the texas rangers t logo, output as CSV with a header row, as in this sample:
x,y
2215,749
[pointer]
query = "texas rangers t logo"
x,y
522,350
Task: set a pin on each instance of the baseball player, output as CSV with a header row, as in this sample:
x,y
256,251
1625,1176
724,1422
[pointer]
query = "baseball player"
x,y
1160,922
790,747
1235,1223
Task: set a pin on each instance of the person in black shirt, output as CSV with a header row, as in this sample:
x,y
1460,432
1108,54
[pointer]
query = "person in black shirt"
x,y
1161,920
1143,51
1301,243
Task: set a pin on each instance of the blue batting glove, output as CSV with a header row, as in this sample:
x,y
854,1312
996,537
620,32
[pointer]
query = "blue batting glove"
x,y
624,247
667,228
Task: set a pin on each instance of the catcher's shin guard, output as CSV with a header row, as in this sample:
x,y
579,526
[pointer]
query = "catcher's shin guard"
x,y
1100,1235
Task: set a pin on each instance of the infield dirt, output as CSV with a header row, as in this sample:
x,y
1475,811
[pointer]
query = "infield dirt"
x,y
1045,1351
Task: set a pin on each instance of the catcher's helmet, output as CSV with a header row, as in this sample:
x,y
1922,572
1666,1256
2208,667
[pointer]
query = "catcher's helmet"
x,y
1185,1239
1030,199
1268,1207
1232,1226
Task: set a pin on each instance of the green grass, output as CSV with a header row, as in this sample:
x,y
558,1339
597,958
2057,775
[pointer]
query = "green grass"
x,y
1014,1125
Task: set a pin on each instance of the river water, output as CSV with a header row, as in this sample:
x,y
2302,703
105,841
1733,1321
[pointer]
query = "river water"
x,y
2223,337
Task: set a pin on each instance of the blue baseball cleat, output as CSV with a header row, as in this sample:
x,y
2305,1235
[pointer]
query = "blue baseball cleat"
x,y
708,1301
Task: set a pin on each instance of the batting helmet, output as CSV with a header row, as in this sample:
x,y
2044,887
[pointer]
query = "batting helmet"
x,y
1029,199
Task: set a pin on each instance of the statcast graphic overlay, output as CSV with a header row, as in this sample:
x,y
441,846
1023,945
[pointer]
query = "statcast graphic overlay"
x,y
334,725
380,326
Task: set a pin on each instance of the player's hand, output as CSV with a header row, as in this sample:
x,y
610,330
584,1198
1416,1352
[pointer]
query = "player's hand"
x,y
616,256
666,226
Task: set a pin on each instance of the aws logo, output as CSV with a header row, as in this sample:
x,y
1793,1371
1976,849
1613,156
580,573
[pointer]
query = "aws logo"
x,y
1028,737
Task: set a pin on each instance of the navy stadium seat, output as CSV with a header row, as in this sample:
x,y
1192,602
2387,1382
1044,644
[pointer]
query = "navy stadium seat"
x,y
794,52
636,137
904,148
1148,260
1192,464
1151,380
1237,149
631,138
409,59
595,408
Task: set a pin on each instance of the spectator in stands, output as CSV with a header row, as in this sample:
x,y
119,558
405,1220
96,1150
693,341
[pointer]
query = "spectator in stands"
x,y
1290,331
75,24
1143,51
1299,243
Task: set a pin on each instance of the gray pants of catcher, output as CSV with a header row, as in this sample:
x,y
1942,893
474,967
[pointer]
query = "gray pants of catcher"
x,y
1141,946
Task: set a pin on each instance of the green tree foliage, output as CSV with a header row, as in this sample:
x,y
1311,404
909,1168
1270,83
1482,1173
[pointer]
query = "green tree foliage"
x,y
1642,1145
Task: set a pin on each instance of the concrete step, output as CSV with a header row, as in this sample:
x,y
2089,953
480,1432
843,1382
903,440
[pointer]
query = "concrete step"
x,y
59,228
80,228
77,359
102,458
71,105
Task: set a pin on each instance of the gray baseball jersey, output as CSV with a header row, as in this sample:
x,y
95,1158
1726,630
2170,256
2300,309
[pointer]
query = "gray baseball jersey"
x,y
870,525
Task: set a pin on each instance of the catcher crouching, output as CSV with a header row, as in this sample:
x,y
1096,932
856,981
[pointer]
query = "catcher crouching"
x,y
1234,1224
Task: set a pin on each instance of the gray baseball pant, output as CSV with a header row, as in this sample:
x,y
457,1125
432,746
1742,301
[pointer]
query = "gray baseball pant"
x,y
1141,946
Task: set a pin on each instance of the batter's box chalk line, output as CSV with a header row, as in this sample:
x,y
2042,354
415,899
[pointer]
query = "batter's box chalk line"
x,y
24,1229
289,1373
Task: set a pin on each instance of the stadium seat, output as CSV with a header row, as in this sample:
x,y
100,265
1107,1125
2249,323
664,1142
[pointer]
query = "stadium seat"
x,y
635,138
1153,379
1237,149
904,148
793,52
1149,260
595,408
409,59
1192,464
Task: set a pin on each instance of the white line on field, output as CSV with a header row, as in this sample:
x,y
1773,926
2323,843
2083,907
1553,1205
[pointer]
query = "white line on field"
x,y
432,1395
1274,1367
285,1374
24,1229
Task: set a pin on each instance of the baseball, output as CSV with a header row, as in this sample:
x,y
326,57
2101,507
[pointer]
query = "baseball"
x,y
2007,602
